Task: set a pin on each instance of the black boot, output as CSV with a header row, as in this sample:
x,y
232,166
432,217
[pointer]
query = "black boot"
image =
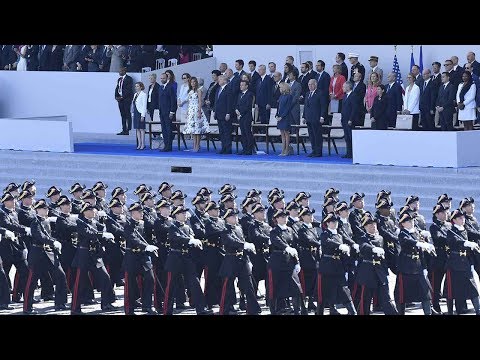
x,y
333,310
427,307
450,307
351,309
311,305
320,309
401,309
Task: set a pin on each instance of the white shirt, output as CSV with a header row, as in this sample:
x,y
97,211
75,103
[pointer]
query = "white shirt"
x,y
310,226
344,220
333,231
120,85
461,228
411,99
283,227
150,93
263,77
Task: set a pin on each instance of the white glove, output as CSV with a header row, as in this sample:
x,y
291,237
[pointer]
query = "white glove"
x,y
57,245
356,247
52,218
102,213
472,268
422,245
425,272
344,248
469,244
108,236
431,247
28,231
25,254
10,235
397,231
426,234
249,247
297,268
291,251
151,248
74,216
378,250
195,242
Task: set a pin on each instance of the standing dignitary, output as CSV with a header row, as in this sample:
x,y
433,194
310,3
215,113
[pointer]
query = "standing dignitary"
x,y
124,96
167,102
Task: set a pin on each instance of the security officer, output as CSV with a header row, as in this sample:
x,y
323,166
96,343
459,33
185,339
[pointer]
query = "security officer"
x,y
356,215
459,283
259,235
88,259
389,231
277,202
302,199
115,251
42,258
181,262
165,190
331,283
236,264
386,194
436,270
5,235
141,189
214,254
372,272
76,190
412,282
284,266
67,234
178,198
99,190
137,262
413,202
308,248
14,252
332,193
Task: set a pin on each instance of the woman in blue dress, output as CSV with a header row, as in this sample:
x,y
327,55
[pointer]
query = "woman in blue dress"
x,y
284,117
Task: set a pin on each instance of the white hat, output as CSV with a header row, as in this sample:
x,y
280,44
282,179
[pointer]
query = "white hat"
x,y
355,55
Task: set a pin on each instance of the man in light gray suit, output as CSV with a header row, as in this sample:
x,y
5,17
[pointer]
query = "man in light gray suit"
x,y
118,53
70,56
295,91
373,68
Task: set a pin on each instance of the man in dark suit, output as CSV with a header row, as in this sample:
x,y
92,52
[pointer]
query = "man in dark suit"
x,y
8,57
446,102
239,67
43,57
167,103
349,110
55,59
223,107
454,79
415,70
395,100
105,62
254,76
359,90
70,57
245,118
277,79
340,60
475,64
303,79
263,95
124,96
323,80
427,101
152,95
314,115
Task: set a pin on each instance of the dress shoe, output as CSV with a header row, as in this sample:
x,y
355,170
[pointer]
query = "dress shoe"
x,y
138,304
435,312
181,307
61,307
90,302
30,312
316,155
49,298
17,301
311,307
333,310
6,307
121,133
109,307
149,311
311,155
243,305
347,156
77,312
205,312
120,283
248,153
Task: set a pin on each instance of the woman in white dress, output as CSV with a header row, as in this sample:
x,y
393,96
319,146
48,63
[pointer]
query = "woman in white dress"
x,y
22,58
197,123
182,97
411,101
466,101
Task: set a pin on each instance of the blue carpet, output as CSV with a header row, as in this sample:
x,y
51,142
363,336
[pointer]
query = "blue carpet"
x,y
128,149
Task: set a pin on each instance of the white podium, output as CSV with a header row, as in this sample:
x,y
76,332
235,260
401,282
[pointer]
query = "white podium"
x,y
416,148
46,133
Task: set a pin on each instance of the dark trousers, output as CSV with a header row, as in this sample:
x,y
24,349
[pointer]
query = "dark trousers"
x,y
59,279
246,287
113,262
124,107
247,136
4,288
225,134
158,283
145,281
167,130
415,118
428,121
364,296
263,115
446,120
101,280
315,135
190,274
20,279
347,130
213,284
436,278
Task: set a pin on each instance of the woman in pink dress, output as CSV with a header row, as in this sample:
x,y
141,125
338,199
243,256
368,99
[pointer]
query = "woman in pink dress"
x,y
371,92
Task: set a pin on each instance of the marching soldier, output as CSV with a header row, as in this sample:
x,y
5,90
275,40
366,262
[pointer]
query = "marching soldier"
x,y
205,192
255,194
30,186
413,202
459,283
259,235
120,194
328,207
76,190
99,191
247,219
14,252
372,272
165,190
277,202
467,205
42,258
436,270
331,283
308,247
271,208
180,262
68,236
283,266
227,189
389,231
214,254
412,282
137,262
386,194
446,201
5,235
178,198
356,215
141,189
302,199
197,224
115,251
227,201
53,195
293,220
15,190
332,193
88,259
236,264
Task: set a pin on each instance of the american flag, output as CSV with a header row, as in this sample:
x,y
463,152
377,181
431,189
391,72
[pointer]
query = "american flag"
x,y
396,70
